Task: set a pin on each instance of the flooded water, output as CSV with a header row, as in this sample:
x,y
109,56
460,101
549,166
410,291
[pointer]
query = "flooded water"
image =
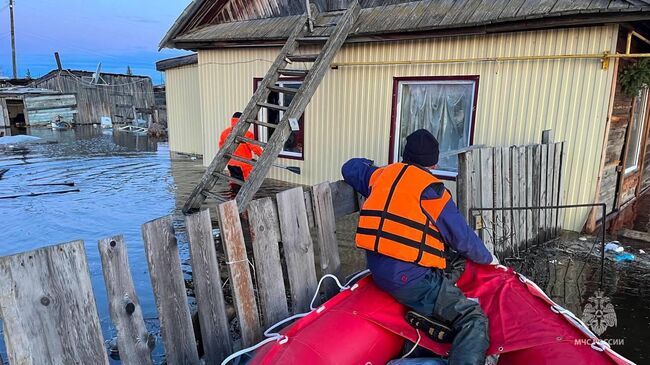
x,y
570,275
126,180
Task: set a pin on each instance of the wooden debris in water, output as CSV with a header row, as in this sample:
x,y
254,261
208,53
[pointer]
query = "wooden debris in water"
x,y
11,196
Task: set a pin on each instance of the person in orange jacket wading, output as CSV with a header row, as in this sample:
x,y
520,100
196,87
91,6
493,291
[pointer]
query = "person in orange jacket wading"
x,y
237,169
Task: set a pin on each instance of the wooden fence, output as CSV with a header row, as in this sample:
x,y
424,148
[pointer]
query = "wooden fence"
x,y
48,306
49,310
512,177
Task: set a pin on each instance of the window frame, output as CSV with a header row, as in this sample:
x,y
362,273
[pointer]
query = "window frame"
x,y
396,108
257,128
641,133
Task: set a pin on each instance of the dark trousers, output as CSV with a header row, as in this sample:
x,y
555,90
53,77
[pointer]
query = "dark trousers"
x,y
438,297
236,172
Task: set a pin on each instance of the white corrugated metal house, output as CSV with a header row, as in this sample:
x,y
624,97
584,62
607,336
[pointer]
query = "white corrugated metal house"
x,y
473,72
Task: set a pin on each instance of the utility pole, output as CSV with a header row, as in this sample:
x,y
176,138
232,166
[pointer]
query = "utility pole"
x,y
13,38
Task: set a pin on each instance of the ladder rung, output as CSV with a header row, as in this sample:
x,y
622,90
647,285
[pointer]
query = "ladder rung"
x,y
334,13
251,141
263,124
284,90
241,159
229,178
325,25
272,106
209,194
290,72
312,39
303,57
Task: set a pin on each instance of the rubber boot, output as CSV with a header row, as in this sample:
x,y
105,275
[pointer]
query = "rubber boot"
x,y
470,325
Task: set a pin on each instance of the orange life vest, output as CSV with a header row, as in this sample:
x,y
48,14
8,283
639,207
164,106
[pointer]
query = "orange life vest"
x,y
392,221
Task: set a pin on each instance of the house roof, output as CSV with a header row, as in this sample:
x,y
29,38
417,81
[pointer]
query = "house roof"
x,y
25,90
210,23
80,73
170,63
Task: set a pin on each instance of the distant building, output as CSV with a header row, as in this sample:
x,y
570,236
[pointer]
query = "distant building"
x,y
120,97
495,73
22,106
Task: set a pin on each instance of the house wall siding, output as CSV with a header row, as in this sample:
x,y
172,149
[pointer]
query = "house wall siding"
x,y
184,110
350,114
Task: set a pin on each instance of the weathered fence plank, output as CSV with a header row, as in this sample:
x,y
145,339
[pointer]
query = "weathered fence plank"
x,y
535,180
498,181
543,180
514,178
215,329
133,340
560,158
463,185
298,248
487,198
506,185
475,186
345,198
522,197
550,192
46,319
169,291
265,234
330,262
241,282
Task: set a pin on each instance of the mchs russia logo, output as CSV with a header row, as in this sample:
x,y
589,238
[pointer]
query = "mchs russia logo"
x,y
599,313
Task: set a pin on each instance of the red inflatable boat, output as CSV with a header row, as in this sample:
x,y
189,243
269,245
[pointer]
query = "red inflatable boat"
x,y
364,325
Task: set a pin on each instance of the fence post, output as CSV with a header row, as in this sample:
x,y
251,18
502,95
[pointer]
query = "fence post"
x,y
241,282
463,194
48,307
298,248
265,234
215,329
330,262
133,340
486,188
169,291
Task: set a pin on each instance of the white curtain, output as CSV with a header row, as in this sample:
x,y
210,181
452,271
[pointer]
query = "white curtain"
x,y
444,109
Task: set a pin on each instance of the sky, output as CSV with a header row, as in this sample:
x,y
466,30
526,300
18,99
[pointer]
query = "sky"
x,y
117,33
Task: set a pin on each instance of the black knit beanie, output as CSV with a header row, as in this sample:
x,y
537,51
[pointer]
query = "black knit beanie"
x,y
421,149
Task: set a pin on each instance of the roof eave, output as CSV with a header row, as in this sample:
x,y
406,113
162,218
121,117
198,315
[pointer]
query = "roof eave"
x,y
181,21
533,23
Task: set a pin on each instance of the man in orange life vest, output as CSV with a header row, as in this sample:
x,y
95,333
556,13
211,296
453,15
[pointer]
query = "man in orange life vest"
x,y
407,225
237,169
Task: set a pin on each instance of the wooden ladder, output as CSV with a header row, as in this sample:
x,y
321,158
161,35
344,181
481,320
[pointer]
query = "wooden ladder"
x,y
330,31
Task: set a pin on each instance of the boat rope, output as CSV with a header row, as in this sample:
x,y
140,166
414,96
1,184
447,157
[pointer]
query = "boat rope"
x,y
414,345
282,339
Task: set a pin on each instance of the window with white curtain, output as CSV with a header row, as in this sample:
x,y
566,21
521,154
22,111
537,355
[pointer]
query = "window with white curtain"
x,y
444,108
294,146
637,123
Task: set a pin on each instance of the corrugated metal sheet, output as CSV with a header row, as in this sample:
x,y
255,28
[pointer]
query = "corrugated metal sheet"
x,y
350,114
184,109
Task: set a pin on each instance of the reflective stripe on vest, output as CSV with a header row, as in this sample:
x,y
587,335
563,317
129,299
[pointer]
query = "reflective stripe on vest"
x,y
392,221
